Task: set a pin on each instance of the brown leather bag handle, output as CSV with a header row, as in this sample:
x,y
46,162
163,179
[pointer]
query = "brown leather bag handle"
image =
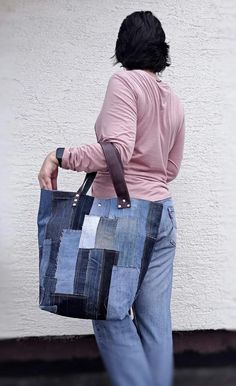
x,y
115,168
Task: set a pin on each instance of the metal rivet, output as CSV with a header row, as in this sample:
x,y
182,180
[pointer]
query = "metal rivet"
x,y
124,200
128,204
77,195
99,204
76,199
74,204
119,206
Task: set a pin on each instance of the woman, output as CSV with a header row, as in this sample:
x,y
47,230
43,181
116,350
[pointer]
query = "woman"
x,y
144,119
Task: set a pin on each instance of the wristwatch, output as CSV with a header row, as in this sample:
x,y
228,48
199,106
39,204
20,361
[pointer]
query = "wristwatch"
x,y
59,154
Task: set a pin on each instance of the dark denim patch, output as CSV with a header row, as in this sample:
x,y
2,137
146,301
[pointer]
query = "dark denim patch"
x,y
49,285
59,219
70,305
52,263
82,208
146,258
153,219
44,213
92,278
110,258
40,255
80,271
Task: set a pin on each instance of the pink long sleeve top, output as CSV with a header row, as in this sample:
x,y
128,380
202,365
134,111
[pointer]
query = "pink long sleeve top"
x,y
144,118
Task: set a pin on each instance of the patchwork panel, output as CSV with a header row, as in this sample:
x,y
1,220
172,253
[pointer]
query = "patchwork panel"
x,y
93,257
91,285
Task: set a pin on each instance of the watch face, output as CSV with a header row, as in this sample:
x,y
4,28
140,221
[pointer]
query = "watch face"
x,y
59,154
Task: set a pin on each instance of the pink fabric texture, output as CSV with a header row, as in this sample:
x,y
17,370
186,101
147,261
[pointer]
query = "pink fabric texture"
x,y
145,120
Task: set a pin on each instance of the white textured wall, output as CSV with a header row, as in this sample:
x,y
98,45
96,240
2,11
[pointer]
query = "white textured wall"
x,y
54,71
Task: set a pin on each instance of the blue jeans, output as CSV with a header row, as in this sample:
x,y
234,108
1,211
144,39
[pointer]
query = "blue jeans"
x,y
138,351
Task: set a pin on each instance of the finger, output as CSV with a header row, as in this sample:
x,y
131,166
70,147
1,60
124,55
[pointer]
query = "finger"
x,y
49,183
43,181
54,183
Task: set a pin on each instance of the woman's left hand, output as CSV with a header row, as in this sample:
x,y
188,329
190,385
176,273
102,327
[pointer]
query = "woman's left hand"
x,y
49,171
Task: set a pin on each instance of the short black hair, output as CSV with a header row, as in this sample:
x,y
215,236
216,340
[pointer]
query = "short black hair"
x,y
141,43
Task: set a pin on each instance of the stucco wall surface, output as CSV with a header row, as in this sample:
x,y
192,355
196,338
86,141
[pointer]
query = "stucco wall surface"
x,y
54,71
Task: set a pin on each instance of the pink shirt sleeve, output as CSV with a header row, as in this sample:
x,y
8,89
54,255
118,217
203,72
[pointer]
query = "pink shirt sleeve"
x,y
117,123
176,153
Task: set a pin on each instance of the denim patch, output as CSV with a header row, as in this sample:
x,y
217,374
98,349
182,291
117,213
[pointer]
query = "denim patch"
x,y
129,240
100,207
44,213
81,271
89,231
110,259
69,305
59,219
78,213
52,260
123,287
105,233
66,262
49,285
44,259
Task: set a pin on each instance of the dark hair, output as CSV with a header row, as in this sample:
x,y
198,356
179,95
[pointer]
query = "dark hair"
x,y
141,43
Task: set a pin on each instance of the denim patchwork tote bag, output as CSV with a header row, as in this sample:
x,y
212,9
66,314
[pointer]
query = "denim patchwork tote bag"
x,y
94,253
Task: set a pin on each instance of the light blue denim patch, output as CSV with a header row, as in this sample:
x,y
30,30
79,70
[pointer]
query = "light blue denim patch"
x,y
89,230
123,286
129,240
66,262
